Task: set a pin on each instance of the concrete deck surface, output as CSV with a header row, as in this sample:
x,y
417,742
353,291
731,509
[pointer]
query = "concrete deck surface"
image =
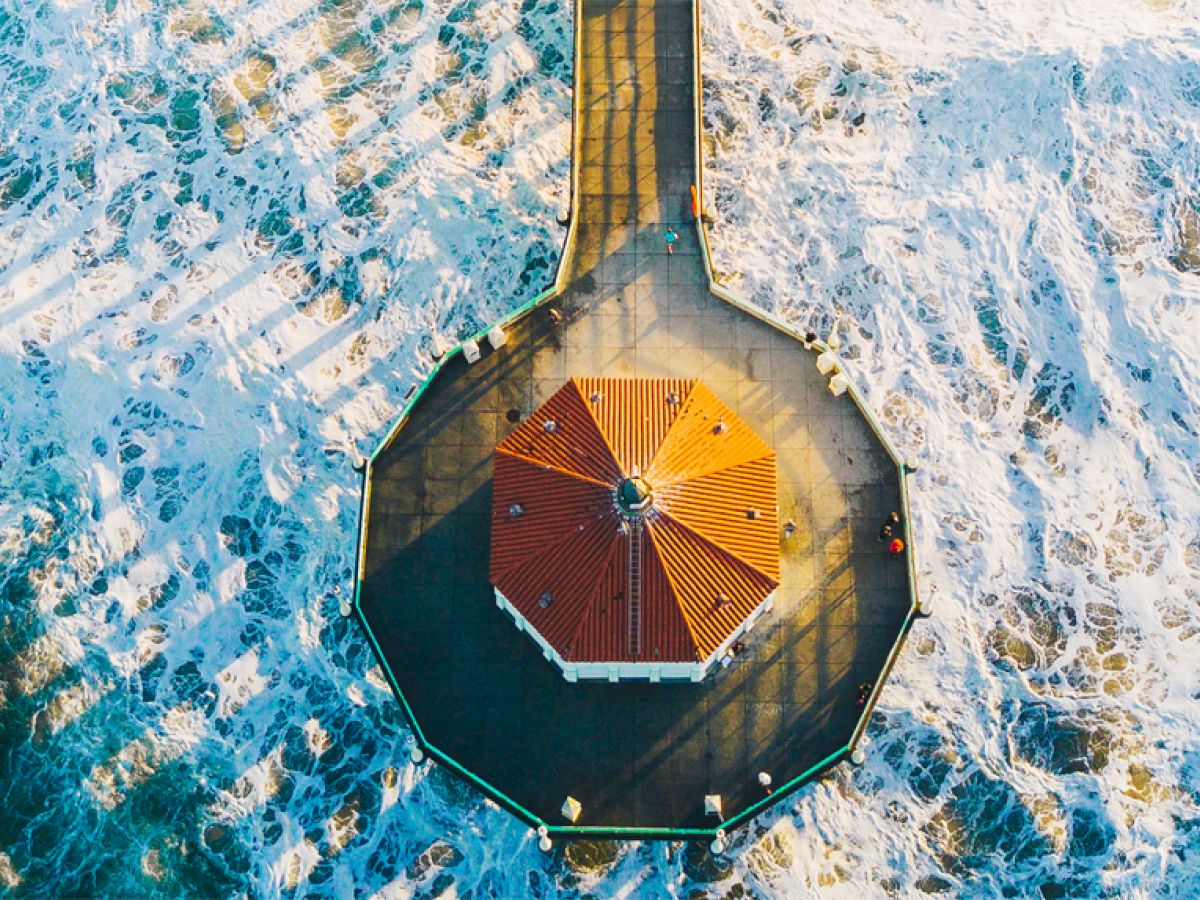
x,y
635,755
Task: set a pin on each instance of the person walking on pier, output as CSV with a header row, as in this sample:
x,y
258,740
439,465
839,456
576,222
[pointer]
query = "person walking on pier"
x,y
670,236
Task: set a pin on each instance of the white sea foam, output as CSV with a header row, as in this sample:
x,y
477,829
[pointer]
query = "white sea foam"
x,y
229,234
998,203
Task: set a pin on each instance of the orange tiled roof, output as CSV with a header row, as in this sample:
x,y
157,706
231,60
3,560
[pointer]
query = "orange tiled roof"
x,y
561,541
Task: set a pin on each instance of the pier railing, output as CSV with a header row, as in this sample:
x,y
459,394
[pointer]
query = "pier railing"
x,y
856,395
561,278
557,286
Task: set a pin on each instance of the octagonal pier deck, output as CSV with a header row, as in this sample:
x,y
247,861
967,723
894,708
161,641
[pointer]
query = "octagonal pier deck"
x,y
640,757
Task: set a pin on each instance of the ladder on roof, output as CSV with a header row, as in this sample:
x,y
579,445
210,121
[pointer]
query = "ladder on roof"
x,y
634,592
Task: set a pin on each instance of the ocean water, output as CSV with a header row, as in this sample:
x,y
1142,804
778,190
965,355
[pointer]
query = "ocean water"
x,y
230,233
999,205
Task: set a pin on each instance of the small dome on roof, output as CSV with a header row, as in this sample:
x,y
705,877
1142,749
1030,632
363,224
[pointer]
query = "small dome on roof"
x,y
634,495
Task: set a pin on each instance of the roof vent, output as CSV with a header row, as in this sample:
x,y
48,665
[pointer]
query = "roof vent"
x,y
672,398
516,509
597,396
751,513
549,426
720,427
721,602
545,599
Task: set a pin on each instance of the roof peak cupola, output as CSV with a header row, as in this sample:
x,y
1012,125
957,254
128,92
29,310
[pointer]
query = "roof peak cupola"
x,y
634,497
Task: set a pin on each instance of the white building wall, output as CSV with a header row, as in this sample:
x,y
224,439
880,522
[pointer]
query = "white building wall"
x,y
627,671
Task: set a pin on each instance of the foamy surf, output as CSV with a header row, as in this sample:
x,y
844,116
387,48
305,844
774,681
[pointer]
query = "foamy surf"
x,y
997,208
229,235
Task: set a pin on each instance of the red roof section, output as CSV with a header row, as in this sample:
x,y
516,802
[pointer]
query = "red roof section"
x,y
561,543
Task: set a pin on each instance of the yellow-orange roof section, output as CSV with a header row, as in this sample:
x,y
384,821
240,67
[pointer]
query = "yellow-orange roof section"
x,y
563,543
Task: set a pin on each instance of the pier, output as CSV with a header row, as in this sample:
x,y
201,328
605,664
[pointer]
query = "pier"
x,y
639,757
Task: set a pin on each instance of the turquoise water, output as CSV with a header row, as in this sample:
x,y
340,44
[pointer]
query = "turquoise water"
x,y
997,204
229,235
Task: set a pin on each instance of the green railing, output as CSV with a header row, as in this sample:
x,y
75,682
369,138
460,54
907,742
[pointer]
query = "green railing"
x,y
561,275
856,396
556,288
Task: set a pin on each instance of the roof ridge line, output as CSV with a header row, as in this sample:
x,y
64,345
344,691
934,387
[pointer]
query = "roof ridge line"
x,y
612,451
524,457
721,548
688,391
683,608
697,388
590,450
567,535
705,474
666,570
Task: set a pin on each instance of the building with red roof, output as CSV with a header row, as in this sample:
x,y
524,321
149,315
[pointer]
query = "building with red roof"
x,y
635,530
